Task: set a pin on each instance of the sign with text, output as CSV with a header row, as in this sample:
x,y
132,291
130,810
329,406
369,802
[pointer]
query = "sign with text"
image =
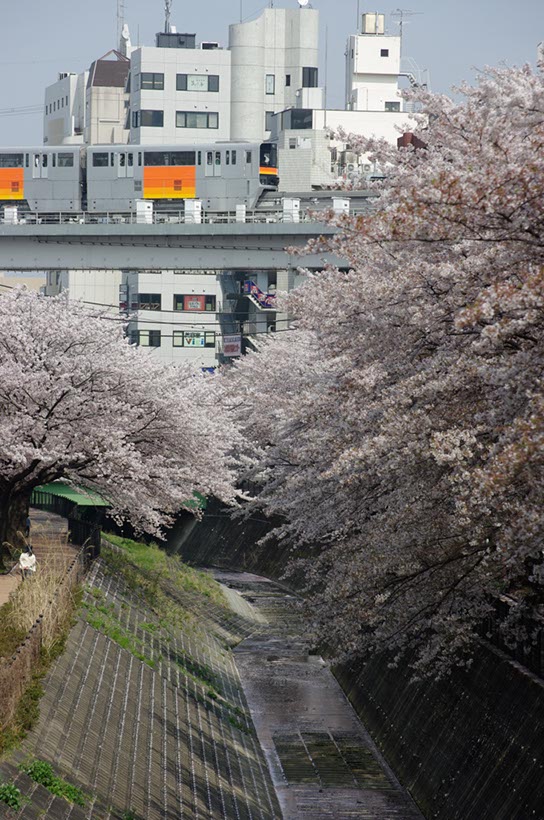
x,y
232,345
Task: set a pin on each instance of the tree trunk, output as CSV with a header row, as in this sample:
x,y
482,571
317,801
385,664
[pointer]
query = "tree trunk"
x,y
13,515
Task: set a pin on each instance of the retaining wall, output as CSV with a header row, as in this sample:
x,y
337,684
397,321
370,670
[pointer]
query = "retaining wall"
x,y
470,747
16,672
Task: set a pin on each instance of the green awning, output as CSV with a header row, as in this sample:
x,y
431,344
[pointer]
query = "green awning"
x,y
80,496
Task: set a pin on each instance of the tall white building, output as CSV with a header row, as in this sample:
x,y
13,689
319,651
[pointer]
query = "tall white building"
x,y
180,92
373,67
274,66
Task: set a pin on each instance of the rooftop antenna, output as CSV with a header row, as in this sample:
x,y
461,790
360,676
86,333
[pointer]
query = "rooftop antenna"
x,y
401,15
120,19
167,10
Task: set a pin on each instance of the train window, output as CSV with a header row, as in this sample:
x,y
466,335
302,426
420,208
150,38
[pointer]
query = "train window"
x,y
199,157
227,158
209,158
66,160
100,160
36,160
112,159
122,160
11,160
54,160
139,158
130,160
248,156
44,160
169,158
218,157
26,160
233,155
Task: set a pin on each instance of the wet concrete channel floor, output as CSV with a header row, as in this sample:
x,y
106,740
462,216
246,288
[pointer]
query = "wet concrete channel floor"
x,y
323,762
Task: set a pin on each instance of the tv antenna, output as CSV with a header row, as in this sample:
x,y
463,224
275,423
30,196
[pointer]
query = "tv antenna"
x,y
403,15
167,10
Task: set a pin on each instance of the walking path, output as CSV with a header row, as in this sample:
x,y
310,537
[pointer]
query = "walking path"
x,y
323,763
49,539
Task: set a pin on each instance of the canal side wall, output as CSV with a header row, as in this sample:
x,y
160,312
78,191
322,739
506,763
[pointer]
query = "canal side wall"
x,y
470,747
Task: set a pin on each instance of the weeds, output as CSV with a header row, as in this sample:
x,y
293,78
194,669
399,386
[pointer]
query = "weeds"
x,y
41,772
11,795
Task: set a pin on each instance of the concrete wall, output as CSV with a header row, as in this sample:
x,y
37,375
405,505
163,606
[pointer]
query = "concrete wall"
x,y
468,748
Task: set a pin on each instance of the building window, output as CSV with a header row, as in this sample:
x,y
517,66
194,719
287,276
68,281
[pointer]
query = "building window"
x,y
194,302
270,84
309,77
149,301
384,52
392,106
193,338
146,338
151,119
287,79
268,121
197,119
292,142
301,118
151,80
197,82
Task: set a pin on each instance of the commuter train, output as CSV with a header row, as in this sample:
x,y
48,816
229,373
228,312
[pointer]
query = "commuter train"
x,y
110,178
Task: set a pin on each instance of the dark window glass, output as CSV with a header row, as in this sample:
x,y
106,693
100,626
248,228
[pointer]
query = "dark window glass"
x,y
130,159
234,157
213,82
100,160
149,301
66,160
135,119
309,77
54,160
122,160
44,161
11,160
151,119
287,79
169,158
227,158
392,106
301,118
248,156
384,52
181,82
151,80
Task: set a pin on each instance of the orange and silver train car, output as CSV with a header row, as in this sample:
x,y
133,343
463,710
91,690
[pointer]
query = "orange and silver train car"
x,y
222,175
45,179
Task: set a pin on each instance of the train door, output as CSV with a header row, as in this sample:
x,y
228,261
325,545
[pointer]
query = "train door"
x,y
40,166
125,164
213,163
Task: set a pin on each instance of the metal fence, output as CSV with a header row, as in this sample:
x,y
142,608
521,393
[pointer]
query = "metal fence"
x,y
81,532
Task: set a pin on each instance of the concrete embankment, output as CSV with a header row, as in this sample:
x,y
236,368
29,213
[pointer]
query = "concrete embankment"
x,y
468,748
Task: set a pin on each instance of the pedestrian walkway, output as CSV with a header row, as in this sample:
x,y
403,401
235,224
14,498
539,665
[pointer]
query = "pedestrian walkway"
x,y
49,539
323,763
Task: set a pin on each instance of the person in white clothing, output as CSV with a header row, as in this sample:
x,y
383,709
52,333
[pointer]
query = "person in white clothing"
x,y
27,562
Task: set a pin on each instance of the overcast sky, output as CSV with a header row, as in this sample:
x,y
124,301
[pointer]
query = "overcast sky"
x,y
448,38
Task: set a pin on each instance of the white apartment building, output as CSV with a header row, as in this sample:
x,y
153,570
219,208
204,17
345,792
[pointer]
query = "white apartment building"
x,y
175,313
180,92
307,156
274,66
91,107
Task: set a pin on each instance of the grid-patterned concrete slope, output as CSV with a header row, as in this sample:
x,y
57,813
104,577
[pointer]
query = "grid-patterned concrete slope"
x,y
150,719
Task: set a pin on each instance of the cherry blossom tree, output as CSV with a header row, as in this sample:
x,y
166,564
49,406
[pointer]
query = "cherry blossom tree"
x,y
399,429
78,402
